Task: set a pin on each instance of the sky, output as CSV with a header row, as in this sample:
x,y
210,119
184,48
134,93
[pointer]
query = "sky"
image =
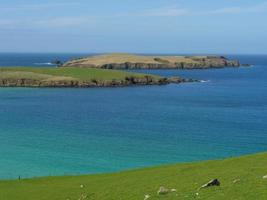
x,y
134,26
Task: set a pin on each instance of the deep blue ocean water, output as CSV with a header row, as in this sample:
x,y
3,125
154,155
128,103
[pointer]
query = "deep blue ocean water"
x,y
77,131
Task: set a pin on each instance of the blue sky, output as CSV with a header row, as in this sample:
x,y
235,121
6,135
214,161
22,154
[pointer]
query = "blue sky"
x,y
139,26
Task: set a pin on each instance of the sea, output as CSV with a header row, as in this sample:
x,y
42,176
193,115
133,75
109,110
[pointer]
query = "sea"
x,y
70,131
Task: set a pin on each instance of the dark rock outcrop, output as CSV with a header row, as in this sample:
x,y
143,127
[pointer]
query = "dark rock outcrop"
x,y
214,182
128,81
179,65
57,63
176,80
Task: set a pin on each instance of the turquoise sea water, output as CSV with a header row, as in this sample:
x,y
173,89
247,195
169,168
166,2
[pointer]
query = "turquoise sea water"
x,y
77,131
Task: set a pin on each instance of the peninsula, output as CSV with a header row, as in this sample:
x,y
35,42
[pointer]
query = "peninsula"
x,y
130,61
78,77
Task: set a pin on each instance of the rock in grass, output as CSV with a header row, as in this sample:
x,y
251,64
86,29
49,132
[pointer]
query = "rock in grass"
x,y
214,182
147,197
264,177
236,180
83,197
162,190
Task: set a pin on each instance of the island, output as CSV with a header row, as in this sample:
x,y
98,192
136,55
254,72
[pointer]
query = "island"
x,y
108,70
78,77
131,61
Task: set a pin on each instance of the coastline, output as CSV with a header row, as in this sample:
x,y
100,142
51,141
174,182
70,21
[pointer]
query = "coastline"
x,y
236,176
80,84
185,178
140,168
110,71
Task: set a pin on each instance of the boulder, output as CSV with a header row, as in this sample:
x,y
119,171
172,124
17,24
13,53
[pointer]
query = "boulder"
x,y
175,79
147,197
57,62
214,182
162,190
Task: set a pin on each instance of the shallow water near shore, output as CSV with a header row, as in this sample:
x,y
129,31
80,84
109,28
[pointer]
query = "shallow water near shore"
x,y
47,132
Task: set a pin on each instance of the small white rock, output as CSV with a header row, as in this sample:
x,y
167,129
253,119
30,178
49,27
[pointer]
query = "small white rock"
x,y
264,177
162,190
83,197
236,181
147,196
81,186
173,190
197,194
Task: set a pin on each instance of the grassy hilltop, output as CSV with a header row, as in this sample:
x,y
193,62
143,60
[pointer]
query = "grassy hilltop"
x,y
241,179
132,61
64,73
73,77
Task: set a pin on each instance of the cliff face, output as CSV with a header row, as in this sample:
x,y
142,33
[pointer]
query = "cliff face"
x,y
128,81
125,61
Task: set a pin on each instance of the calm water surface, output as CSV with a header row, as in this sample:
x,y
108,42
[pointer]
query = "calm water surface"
x,y
76,131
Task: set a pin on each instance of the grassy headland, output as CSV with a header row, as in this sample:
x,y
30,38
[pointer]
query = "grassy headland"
x,y
130,61
73,77
241,179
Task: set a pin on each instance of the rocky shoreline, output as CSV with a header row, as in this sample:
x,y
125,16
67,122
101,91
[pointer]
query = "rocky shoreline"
x,y
128,81
180,65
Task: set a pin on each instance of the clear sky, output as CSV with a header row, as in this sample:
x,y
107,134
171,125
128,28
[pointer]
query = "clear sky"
x,y
139,26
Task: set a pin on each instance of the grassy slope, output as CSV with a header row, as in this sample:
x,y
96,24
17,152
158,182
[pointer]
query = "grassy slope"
x,y
75,73
123,58
133,185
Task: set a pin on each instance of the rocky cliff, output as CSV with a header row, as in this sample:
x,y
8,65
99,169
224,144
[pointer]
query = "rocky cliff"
x,y
128,81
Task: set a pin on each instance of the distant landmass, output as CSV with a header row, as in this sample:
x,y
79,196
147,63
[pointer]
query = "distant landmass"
x,y
78,77
97,71
130,61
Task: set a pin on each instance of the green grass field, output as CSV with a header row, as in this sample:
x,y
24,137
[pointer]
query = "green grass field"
x,y
241,179
66,73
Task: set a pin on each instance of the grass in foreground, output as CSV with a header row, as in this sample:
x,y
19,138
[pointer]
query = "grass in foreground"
x,y
81,74
248,172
